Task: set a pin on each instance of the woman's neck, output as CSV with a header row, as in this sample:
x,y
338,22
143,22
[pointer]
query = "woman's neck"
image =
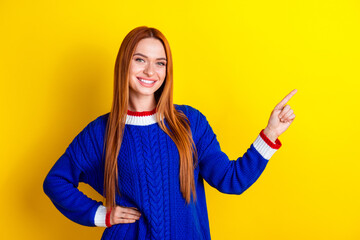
x,y
141,104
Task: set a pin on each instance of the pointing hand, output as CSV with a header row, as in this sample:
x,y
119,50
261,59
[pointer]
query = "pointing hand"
x,y
280,119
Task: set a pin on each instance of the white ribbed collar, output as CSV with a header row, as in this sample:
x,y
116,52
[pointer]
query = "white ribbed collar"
x,y
141,118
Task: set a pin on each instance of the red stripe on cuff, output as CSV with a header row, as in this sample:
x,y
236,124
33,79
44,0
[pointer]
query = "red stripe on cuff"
x,y
107,218
275,145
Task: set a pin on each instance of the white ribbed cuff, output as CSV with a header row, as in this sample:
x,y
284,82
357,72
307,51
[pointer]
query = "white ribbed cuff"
x,y
263,148
100,216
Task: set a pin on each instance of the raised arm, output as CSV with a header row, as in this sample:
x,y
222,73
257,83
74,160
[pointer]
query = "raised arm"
x,y
234,177
227,176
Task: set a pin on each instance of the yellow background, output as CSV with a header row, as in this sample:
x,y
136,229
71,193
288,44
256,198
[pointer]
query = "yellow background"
x,y
234,61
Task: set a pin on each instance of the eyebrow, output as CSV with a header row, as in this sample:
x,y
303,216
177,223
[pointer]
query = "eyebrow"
x,y
146,56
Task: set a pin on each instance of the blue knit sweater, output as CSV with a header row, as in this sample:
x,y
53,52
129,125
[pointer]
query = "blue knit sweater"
x,y
148,165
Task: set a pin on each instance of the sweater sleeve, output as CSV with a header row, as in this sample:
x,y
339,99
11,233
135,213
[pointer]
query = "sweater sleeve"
x,y
61,183
231,176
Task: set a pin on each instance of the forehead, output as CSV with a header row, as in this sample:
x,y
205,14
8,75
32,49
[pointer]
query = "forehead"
x,y
151,47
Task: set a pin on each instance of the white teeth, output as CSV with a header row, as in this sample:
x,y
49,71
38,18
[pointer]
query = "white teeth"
x,y
146,81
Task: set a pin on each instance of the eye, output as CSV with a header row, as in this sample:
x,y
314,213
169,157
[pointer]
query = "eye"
x,y
162,64
139,59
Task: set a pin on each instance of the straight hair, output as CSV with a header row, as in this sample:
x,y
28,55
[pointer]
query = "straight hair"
x,y
179,126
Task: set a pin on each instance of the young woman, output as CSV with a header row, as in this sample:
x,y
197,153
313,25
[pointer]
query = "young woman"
x,y
148,157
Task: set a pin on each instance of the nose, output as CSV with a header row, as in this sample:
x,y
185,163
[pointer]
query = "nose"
x,y
149,69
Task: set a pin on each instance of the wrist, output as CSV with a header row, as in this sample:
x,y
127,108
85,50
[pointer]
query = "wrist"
x,y
270,134
107,218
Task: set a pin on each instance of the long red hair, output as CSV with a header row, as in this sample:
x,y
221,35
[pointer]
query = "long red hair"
x,y
179,125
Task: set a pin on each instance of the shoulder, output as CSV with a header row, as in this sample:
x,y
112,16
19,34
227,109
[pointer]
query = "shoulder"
x,y
187,109
191,112
101,120
86,147
196,118
92,133
97,125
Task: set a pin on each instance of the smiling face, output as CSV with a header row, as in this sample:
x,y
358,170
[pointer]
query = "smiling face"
x,y
147,68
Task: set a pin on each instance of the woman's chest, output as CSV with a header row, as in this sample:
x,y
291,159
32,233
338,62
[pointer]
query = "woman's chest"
x,y
147,161
146,149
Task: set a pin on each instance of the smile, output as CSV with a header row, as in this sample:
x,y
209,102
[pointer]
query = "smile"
x,y
146,83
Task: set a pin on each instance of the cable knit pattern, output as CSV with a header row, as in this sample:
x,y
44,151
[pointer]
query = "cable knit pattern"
x,y
155,188
148,168
165,183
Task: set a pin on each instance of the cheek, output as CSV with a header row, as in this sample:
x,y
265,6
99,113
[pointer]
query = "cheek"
x,y
162,74
135,68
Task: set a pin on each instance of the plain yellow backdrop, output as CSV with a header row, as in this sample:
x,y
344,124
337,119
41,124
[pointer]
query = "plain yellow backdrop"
x,y
234,61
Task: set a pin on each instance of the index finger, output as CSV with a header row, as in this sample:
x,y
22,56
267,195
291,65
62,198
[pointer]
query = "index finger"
x,y
131,210
281,104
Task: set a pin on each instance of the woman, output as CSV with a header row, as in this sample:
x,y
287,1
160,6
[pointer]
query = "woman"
x,y
148,157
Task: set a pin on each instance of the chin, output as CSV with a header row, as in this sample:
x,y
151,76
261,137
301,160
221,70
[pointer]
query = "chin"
x,y
145,93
